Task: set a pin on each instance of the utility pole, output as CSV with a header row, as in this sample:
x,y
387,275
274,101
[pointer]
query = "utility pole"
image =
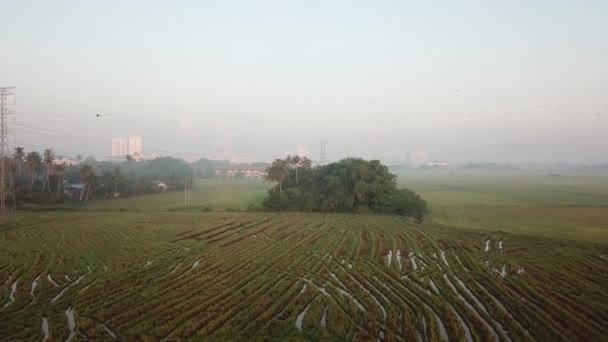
x,y
5,92
186,193
323,152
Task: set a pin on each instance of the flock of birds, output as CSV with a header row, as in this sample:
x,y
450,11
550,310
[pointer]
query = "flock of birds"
x,y
556,112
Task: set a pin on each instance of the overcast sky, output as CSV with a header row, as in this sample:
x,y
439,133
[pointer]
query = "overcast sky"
x,y
509,81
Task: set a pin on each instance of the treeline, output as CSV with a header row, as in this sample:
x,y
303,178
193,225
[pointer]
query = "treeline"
x,y
39,178
206,168
349,185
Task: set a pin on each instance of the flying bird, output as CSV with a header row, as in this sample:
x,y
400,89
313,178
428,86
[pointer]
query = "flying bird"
x,y
98,115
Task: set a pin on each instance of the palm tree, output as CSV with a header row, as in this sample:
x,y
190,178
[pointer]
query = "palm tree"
x,y
279,171
12,191
116,176
295,161
48,157
87,174
33,161
106,179
18,156
270,177
59,169
129,159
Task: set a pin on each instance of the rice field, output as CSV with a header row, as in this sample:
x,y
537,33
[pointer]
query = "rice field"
x,y
570,205
211,194
187,275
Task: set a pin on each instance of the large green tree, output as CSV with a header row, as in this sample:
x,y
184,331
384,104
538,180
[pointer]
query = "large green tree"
x,y
277,172
33,160
48,157
351,184
88,176
18,157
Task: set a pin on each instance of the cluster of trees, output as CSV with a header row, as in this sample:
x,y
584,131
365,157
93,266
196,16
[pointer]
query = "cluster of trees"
x,y
35,177
351,184
206,168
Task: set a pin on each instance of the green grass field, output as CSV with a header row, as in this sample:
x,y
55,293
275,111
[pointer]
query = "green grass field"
x,y
571,206
148,272
214,194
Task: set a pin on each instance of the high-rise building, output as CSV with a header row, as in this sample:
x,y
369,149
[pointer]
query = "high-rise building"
x,y
419,157
303,151
120,147
136,147
224,152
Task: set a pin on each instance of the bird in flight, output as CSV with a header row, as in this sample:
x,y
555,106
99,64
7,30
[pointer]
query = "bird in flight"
x,y
98,115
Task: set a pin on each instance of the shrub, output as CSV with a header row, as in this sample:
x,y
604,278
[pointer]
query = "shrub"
x,y
402,202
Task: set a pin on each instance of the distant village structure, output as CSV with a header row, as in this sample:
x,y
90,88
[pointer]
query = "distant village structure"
x,y
419,157
133,146
438,163
65,161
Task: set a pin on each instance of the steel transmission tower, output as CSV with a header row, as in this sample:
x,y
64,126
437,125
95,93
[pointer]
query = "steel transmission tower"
x,y
323,154
5,92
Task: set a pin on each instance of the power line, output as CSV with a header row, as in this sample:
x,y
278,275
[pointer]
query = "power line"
x,y
5,92
62,150
55,134
92,125
64,119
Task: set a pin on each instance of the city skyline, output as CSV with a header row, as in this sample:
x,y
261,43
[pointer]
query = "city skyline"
x,y
123,146
371,78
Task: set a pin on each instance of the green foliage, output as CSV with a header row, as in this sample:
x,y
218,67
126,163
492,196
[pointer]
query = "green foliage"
x,y
216,194
403,202
351,184
34,173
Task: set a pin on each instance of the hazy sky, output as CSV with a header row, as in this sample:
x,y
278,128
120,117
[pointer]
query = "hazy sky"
x,y
509,81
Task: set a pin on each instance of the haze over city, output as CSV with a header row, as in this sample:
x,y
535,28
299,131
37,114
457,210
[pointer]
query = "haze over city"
x,y
271,170
467,82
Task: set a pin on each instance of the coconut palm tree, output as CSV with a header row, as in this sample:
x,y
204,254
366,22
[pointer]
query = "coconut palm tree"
x,y
116,177
18,156
59,169
87,174
12,191
294,161
270,177
106,180
129,160
278,172
48,157
33,161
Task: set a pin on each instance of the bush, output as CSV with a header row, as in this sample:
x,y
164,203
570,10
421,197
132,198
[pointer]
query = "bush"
x,y
403,202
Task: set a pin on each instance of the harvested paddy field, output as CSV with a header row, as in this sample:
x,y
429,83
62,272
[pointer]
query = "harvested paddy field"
x,y
182,275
